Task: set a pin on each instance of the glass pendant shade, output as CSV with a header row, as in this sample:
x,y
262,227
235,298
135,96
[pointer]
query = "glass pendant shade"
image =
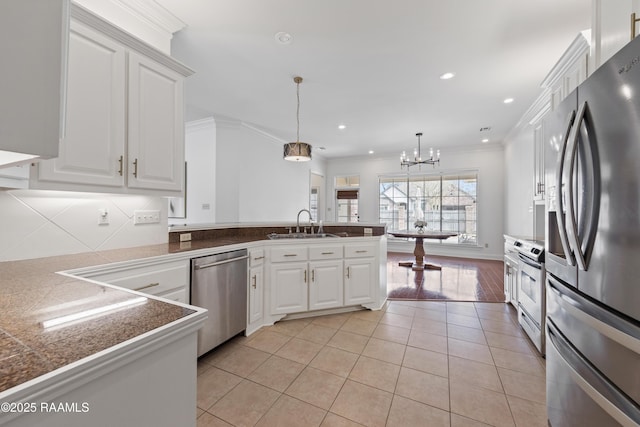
x,y
297,151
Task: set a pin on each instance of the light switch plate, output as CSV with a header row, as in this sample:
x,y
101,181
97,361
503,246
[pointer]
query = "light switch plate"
x,y
146,217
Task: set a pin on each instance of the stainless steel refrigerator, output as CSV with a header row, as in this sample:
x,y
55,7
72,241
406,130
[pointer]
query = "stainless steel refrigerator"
x,y
592,243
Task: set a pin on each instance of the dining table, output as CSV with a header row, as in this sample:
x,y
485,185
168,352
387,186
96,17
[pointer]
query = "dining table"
x,y
419,235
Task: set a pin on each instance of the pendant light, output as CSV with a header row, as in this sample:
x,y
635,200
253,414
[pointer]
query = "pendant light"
x,y
297,151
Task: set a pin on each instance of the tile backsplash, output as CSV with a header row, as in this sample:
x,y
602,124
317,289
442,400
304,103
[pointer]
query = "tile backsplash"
x,y
36,223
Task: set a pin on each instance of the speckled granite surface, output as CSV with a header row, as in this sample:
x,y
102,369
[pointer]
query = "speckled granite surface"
x,y
31,292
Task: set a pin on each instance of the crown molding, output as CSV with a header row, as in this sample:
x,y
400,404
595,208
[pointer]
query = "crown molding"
x,y
578,48
87,17
205,123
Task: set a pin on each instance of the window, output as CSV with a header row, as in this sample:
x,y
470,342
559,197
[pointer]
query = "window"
x,y
445,202
347,198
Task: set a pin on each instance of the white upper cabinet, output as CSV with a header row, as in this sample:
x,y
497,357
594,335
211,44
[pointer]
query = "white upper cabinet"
x,y
156,125
125,120
33,42
94,144
611,28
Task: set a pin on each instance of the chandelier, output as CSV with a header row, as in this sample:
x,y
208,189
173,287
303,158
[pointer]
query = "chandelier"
x,y
297,151
417,157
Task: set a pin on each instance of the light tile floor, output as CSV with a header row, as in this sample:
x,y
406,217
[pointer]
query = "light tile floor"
x,y
415,363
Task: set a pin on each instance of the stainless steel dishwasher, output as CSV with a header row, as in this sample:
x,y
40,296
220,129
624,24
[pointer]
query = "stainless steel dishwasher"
x,y
219,284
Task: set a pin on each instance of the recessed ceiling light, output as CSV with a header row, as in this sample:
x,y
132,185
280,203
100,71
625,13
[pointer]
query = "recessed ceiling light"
x,y
370,151
447,76
341,127
283,37
508,100
485,140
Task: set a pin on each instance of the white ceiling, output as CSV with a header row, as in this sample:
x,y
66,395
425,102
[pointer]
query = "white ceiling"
x,y
374,66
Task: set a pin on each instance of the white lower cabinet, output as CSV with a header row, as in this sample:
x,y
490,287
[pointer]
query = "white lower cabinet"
x,y
255,308
511,281
326,284
256,294
360,283
322,276
289,290
360,265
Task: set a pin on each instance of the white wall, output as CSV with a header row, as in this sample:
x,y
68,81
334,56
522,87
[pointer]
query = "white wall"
x,y
36,223
200,155
253,182
488,160
519,183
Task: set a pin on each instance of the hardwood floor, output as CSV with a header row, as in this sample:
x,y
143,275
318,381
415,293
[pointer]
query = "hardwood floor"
x,y
461,279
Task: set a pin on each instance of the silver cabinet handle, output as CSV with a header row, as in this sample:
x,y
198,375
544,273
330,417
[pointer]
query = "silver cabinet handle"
x,y
258,258
120,165
305,276
327,253
150,285
255,281
290,255
361,252
135,168
313,275
348,272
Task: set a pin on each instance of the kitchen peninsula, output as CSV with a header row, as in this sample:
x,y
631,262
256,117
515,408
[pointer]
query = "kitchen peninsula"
x,y
139,342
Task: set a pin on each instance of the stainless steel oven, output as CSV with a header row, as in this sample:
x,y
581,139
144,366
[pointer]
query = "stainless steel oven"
x,y
531,291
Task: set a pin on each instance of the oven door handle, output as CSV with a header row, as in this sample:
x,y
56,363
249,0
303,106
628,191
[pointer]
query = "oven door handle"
x,y
529,262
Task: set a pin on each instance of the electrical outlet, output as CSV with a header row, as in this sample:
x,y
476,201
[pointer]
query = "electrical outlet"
x,y
368,231
103,217
146,217
185,237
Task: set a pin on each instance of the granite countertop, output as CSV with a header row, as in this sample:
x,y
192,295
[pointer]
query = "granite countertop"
x,y
31,292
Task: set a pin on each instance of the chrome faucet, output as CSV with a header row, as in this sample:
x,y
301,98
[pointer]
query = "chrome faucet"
x,y
298,219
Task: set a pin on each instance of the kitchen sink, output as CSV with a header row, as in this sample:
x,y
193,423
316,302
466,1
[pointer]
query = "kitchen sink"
x,y
276,236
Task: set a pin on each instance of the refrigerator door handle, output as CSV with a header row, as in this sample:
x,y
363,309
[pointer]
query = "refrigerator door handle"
x,y
593,383
606,323
568,177
590,190
560,193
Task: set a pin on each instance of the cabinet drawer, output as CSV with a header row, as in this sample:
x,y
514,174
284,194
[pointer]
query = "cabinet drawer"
x,y
289,253
325,252
359,250
256,257
153,279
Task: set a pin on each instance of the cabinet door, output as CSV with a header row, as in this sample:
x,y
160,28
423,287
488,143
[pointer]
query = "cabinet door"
x,y
92,149
289,287
326,284
256,293
359,285
156,126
